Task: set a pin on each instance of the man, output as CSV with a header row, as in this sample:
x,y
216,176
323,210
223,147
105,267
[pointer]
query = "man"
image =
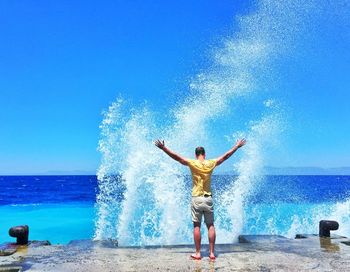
x,y
202,203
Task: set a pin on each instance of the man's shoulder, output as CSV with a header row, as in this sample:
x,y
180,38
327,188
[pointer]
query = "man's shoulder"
x,y
212,160
191,162
211,163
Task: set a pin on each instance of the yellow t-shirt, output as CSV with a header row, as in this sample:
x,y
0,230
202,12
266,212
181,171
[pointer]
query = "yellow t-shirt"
x,y
201,176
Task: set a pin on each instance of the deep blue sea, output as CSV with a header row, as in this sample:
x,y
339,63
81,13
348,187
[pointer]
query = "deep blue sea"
x,y
62,208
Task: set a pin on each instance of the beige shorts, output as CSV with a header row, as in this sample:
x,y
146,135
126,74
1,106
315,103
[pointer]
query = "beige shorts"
x,y
202,205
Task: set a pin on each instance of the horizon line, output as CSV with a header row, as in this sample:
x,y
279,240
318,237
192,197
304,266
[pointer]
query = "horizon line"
x,y
276,170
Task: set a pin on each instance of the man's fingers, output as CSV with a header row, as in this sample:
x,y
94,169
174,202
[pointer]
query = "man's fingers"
x,y
159,143
241,142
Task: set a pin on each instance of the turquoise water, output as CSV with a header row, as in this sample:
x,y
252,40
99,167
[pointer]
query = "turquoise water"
x,y
61,223
58,223
56,208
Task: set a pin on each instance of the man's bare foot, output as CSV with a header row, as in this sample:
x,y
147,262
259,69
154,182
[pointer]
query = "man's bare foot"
x,y
212,256
196,256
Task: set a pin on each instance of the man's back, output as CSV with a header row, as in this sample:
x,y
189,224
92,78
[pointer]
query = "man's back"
x,y
201,176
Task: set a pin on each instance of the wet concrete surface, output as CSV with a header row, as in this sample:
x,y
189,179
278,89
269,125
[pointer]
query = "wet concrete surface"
x,y
254,253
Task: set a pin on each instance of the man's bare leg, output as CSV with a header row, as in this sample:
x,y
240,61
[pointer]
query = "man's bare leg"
x,y
211,236
197,239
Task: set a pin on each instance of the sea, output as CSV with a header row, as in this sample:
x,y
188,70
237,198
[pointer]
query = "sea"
x,y
63,208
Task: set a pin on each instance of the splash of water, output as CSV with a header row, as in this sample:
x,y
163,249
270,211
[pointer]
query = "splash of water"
x,y
231,204
143,196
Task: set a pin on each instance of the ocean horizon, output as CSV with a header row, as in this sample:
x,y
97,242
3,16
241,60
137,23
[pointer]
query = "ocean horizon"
x,y
267,170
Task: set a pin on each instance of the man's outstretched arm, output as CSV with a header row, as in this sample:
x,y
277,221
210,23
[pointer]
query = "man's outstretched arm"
x,y
228,154
161,145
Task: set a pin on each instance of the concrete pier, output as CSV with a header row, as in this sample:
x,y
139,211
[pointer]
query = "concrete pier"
x,y
253,253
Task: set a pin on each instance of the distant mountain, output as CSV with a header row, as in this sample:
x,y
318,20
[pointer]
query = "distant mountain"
x,y
68,173
307,171
51,173
270,170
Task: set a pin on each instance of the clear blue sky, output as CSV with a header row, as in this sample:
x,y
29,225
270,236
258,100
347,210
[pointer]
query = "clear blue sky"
x,y
63,62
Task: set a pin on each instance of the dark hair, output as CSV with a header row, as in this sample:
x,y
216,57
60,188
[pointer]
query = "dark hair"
x,y
199,151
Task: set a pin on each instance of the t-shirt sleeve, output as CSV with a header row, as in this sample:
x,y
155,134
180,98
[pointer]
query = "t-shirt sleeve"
x,y
190,163
213,163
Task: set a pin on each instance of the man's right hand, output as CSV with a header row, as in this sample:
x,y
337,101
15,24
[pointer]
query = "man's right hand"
x,y
160,144
228,154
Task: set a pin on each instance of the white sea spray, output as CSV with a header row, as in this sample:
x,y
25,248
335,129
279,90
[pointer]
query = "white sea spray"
x,y
154,206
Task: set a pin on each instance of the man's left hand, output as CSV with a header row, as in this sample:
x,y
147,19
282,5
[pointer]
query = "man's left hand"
x,y
160,144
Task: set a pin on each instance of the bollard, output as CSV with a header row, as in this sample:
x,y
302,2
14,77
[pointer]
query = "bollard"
x,y
326,226
21,233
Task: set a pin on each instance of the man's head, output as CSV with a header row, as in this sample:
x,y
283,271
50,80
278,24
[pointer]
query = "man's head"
x,y
199,151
